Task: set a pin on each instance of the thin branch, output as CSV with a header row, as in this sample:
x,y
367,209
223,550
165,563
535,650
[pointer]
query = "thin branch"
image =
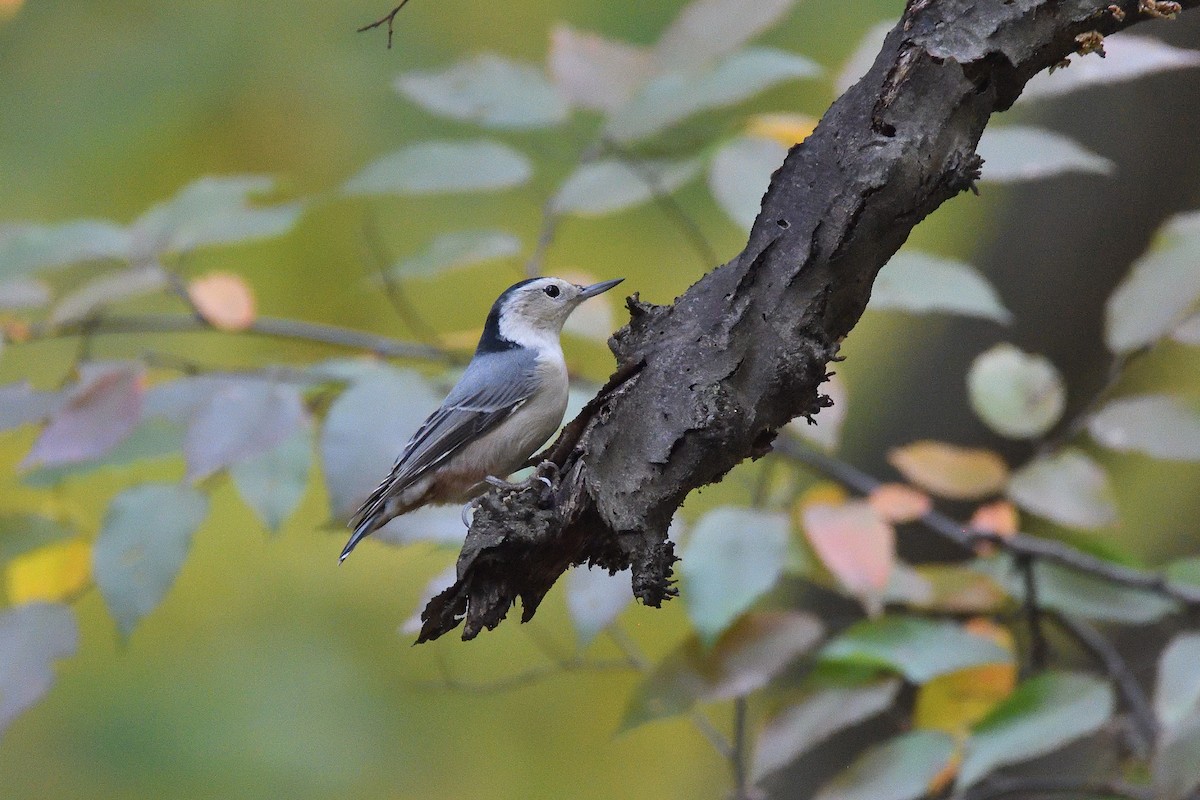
x,y
377,251
1025,788
546,231
275,327
1145,727
1038,649
1067,432
389,18
1021,544
526,678
737,758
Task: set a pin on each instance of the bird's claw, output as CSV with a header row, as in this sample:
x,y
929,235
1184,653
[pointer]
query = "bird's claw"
x,y
545,472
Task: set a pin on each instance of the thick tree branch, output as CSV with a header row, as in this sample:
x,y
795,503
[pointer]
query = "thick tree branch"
x,y
712,377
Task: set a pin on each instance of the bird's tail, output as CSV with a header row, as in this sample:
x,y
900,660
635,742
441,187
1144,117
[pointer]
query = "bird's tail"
x,y
365,523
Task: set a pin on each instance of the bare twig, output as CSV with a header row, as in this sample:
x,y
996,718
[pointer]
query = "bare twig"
x,y
389,18
737,758
528,677
550,218
1038,650
1145,725
1020,544
275,327
377,252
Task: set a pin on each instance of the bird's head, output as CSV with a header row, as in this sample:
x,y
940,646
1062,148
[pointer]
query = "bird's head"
x,y
533,311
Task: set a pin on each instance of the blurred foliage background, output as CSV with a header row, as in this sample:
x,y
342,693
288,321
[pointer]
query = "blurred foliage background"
x,y
267,671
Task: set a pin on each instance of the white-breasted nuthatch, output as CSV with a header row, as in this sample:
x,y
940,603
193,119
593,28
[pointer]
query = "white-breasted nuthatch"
x,y
508,402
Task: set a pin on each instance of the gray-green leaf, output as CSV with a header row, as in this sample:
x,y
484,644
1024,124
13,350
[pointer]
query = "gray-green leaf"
x,y
740,173
1177,690
595,598
1018,394
672,97
435,167
458,249
490,90
26,248
1125,58
1023,153
1175,767
920,283
1160,290
733,557
919,649
142,544
1067,487
604,187
1160,426
802,726
32,638
899,769
1042,715
273,481
594,72
708,29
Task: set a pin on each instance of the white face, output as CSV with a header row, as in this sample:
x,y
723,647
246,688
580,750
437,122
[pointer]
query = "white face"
x,y
542,305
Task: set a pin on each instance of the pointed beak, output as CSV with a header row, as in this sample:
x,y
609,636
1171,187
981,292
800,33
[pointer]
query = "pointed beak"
x,y
598,288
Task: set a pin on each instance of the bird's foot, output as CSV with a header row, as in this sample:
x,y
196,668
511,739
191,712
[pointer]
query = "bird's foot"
x,y
546,472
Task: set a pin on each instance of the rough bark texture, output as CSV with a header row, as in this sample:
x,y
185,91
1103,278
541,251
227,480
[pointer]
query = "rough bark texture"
x,y
704,383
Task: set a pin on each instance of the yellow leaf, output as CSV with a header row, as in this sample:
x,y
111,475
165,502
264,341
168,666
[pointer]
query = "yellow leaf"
x,y
824,493
787,129
959,473
55,572
225,300
957,700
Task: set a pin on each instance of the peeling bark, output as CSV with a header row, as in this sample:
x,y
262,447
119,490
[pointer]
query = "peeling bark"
x,y
705,383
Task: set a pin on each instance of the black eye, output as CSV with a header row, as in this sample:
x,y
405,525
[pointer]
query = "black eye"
x,y
551,291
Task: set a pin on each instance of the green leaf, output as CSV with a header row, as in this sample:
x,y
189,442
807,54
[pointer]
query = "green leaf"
x,y
732,558
32,638
919,649
243,418
740,173
1160,426
458,249
863,57
30,248
100,412
366,429
1177,689
1125,58
1019,395
489,90
594,72
708,29
1067,487
105,290
212,211
899,769
604,187
142,544
674,96
1175,767
798,728
273,481
595,598
22,533
919,283
1162,287
480,165
744,659
1042,715
151,439
1024,153
1077,594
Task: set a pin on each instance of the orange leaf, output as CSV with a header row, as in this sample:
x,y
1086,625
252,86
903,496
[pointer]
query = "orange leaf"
x,y
959,473
896,502
856,545
954,702
787,129
1000,518
51,573
225,301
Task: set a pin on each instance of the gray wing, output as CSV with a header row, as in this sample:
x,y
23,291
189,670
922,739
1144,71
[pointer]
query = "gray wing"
x,y
493,386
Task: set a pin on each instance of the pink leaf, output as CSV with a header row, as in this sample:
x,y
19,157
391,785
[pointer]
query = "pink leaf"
x,y
856,544
99,413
